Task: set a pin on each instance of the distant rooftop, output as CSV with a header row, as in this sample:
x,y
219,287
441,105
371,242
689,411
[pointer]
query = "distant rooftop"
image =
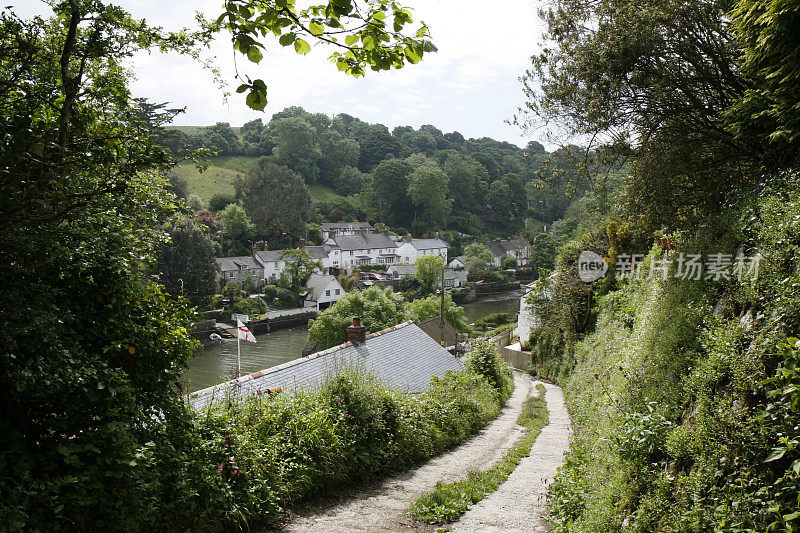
x,y
404,356
236,263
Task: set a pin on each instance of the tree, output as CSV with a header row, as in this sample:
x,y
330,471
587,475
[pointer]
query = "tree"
x,y
276,199
377,308
82,205
390,180
478,260
428,271
296,147
653,84
237,230
430,307
427,188
338,152
219,201
349,181
186,265
299,266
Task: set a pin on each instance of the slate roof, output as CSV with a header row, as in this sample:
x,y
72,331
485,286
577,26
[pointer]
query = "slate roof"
x,y
317,283
404,356
433,327
364,242
356,226
402,270
318,252
500,247
428,244
236,263
269,256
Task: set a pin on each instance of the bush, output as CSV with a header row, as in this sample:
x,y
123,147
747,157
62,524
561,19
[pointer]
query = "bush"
x,y
491,321
483,359
265,453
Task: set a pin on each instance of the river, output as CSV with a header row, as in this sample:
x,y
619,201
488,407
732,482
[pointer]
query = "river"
x,y
218,363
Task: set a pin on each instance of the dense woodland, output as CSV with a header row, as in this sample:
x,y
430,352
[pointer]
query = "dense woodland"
x,y
413,180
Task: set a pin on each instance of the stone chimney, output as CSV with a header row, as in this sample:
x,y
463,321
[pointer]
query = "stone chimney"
x,y
356,333
437,234
407,238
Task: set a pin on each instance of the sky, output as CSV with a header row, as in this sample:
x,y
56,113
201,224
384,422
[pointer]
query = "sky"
x,y
470,85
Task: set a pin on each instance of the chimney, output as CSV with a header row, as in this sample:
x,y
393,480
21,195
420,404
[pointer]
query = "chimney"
x,y
302,243
407,238
356,333
254,251
437,234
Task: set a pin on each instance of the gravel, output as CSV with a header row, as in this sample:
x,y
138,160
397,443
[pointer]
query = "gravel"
x,y
520,503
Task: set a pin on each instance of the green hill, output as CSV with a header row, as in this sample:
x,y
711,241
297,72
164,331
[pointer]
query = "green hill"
x,y
221,174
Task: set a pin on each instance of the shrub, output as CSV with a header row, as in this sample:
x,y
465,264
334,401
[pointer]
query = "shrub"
x,y
483,359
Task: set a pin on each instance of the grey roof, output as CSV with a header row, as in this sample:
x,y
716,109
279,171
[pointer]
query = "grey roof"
x,y
404,356
364,242
428,244
461,258
433,327
236,263
500,247
318,252
269,256
317,283
329,226
402,270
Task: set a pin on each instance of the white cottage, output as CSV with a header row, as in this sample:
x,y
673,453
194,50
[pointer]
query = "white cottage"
x,y
323,291
410,249
273,263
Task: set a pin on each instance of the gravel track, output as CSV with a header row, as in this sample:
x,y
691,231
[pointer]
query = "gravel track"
x,y
520,503
385,506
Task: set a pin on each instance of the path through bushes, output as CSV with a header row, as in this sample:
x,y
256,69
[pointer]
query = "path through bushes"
x,y
384,507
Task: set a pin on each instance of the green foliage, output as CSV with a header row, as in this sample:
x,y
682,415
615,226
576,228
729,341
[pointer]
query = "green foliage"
x,y
250,306
267,453
425,308
237,230
428,272
220,201
483,359
491,321
448,501
377,308
186,265
300,265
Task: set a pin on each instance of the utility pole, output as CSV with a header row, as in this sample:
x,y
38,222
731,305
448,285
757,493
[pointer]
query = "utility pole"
x,y
441,324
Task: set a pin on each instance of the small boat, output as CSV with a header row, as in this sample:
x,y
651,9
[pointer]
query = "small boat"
x,y
215,337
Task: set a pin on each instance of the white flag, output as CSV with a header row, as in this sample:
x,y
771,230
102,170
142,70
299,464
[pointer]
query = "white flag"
x,y
244,333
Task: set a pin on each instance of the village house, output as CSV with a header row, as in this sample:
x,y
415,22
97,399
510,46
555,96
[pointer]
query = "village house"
x,y
410,249
323,291
403,356
348,251
321,254
519,249
458,262
238,269
452,278
334,229
273,264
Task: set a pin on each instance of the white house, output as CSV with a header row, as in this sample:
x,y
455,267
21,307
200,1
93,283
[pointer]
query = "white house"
x,y
410,249
321,254
527,319
519,249
459,261
452,278
323,291
273,263
347,251
334,229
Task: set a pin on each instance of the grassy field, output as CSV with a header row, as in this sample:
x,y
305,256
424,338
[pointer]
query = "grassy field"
x,y
221,174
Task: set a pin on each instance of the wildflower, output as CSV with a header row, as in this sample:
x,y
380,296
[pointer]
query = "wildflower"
x,y
220,467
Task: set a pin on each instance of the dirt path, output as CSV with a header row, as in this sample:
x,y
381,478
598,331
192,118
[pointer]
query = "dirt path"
x,y
384,507
519,504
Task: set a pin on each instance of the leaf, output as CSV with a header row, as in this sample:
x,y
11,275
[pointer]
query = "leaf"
x,y
286,39
350,40
301,47
242,88
254,54
776,454
257,100
316,28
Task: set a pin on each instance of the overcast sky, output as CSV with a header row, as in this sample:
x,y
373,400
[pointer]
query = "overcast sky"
x,y
470,85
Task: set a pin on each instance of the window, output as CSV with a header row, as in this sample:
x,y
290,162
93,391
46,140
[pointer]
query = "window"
x,y
231,275
338,291
327,293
